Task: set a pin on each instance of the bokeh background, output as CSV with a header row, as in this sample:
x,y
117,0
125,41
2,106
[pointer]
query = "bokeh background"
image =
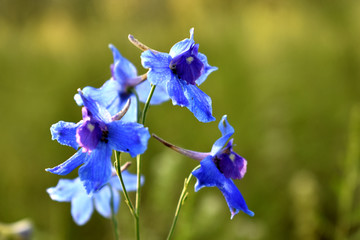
x,y
288,79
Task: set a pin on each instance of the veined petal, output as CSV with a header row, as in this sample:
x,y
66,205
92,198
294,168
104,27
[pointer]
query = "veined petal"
x,y
65,133
209,176
64,190
97,168
128,137
199,103
207,69
159,66
160,94
175,89
102,201
183,45
107,95
81,208
227,131
98,112
122,68
69,165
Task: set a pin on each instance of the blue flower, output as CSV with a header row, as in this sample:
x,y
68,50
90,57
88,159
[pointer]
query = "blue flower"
x,y
83,204
219,167
180,71
115,92
97,135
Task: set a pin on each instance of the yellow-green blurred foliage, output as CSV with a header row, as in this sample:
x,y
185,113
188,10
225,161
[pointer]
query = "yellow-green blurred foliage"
x,y
289,75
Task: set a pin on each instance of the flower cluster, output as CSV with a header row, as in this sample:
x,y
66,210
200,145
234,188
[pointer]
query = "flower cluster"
x,y
111,123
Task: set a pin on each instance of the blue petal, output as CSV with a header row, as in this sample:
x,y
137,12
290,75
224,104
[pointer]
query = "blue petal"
x,y
176,90
128,137
200,103
160,94
97,112
122,68
131,114
209,176
207,69
182,46
130,181
81,207
159,66
107,95
64,190
227,131
65,133
102,201
69,165
97,168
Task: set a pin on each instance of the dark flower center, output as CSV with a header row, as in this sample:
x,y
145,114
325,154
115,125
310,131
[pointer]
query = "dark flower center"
x,y
187,66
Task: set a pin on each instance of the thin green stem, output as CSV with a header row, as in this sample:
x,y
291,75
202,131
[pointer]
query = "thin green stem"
x,y
181,202
113,214
138,168
118,171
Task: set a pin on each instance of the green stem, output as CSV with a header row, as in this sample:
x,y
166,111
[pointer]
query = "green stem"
x,y
118,171
138,168
181,202
113,214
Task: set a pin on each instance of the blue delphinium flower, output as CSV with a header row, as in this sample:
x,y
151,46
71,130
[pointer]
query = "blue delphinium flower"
x,y
218,167
115,92
83,204
180,71
97,135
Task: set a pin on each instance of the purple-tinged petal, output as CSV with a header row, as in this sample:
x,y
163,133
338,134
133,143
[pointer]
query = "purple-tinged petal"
x,y
64,190
207,69
175,90
65,133
227,131
230,163
69,165
107,95
122,69
88,135
102,201
199,103
208,175
81,207
159,66
97,112
160,94
97,168
183,45
128,137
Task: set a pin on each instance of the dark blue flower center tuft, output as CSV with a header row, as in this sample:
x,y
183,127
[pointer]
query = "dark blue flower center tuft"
x,y
187,66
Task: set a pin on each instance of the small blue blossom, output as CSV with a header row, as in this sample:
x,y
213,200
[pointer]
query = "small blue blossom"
x,y
179,72
97,134
83,204
115,92
219,167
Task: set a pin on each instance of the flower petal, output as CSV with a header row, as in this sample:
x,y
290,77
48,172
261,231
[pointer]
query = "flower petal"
x,y
122,69
200,103
97,112
176,91
69,165
128,137
130,181
102,201
183,45
207,69
209,176
160,94
97,168
65,133
64,190
227,131
159,66
81,208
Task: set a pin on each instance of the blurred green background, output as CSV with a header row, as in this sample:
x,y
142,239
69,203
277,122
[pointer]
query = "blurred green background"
x,y
288,79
